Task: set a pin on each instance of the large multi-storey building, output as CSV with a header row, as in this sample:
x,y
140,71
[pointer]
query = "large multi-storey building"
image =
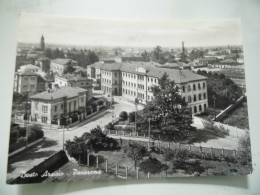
x,y
56,103
135,80
75,81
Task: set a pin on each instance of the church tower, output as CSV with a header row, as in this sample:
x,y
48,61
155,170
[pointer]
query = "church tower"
x,y
42,43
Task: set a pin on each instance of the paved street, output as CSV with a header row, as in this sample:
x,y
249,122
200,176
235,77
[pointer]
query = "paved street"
x,y
54,138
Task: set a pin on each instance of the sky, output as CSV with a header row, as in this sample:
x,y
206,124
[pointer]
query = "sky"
x,y
128,33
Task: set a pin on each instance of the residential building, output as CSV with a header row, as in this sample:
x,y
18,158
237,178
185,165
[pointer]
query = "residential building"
x,y
27,81
57,103
134,80
29,68
43,63
75,81
59,65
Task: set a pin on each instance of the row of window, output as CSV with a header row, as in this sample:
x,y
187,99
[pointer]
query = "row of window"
x,y
26,87
194,87
57,68
32,78
45,107
195,97
129,75
199,108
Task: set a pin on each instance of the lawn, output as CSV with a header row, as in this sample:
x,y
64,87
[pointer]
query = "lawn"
x,y
193,166
239,117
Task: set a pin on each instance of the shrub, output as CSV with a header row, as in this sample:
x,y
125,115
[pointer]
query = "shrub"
x,y
131,117
123,115
109,126
152,165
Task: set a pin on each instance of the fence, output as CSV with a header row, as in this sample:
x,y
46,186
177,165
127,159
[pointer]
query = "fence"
x,y
121,171
218,152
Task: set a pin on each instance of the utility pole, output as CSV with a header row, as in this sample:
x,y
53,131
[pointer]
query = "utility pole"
x,y
214,98
149,131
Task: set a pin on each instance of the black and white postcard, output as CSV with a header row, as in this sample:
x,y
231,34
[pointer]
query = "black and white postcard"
x,y
99,99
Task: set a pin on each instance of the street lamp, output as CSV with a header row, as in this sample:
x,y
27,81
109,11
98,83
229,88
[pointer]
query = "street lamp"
x,y
214,98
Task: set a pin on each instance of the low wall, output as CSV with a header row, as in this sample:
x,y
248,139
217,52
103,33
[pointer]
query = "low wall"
x,y
36,174
25,147
229,109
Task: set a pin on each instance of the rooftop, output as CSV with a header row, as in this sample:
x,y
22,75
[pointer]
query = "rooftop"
x,y
58,93
72,77
152,69
63,61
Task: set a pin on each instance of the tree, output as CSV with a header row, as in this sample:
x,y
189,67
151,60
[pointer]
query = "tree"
x,y
48,53
131,117
145,56
245,146
123,115
168,111
158,55
94,141
195,54
136,152
69,69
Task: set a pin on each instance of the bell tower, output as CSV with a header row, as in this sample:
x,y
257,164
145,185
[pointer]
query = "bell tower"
x,y
42,43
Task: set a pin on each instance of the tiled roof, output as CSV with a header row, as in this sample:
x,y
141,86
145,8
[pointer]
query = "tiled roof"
x,y
62,61
154,70
61,92
27,73
42,59
72,77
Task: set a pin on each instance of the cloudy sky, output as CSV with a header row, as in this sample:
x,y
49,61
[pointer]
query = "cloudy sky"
x,y
146,33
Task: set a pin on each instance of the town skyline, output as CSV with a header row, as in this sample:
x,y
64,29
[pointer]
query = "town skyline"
x,y
131,33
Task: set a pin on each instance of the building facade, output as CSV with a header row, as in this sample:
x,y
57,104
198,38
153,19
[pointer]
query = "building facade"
x,y
57,103
59,65
75,81
26,81
135,80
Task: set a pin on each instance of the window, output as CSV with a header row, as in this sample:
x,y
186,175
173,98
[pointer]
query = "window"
x,y
55,108
189,88
199,86
32,86
199,96
204,85
115,82
44,119
25,87
194,98
151,79
205,107
69,106
183,89
75,104
115,74
195,109
204,95
200,109
82,83
194,87
82,99
189,99
36,105
44,108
